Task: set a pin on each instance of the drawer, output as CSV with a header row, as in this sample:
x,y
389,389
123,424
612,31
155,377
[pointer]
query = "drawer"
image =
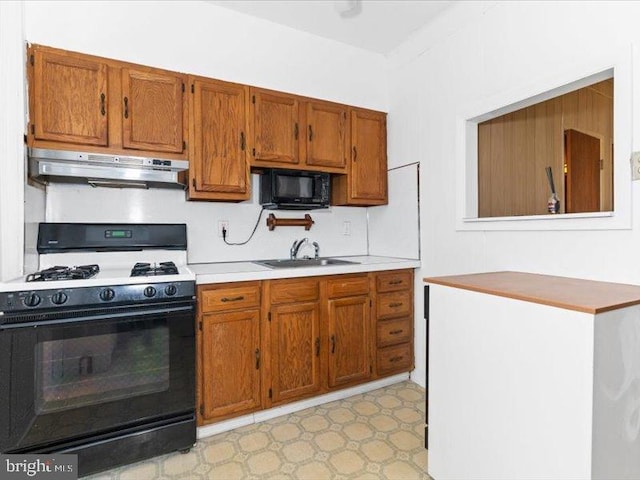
x,y
229,297
395,359
394,304
394,281
347,286
391,332
298,290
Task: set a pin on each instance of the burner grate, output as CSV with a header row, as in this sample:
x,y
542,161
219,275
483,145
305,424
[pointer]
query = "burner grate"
x,y
141,269
64,273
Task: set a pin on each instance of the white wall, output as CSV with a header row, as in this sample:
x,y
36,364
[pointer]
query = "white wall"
x,y
200,38
479,50
11,143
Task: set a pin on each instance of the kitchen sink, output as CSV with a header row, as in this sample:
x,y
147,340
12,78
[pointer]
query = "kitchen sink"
x,y
303,262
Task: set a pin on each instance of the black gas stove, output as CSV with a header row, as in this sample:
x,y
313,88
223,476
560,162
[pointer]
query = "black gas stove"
x,y
104,369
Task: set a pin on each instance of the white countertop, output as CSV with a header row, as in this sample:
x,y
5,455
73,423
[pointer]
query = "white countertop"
x,y
243,271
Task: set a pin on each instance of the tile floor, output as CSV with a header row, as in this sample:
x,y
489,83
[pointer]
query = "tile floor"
x,y
376,435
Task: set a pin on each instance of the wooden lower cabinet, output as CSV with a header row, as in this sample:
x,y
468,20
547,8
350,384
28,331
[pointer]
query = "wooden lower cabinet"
x,y
230,363
295,351
264,344
393,322
349,340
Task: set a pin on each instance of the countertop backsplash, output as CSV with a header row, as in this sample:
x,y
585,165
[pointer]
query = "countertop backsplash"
x,y
81,203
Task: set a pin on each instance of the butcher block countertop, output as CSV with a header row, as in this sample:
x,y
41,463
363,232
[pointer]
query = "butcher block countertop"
x,y
570,293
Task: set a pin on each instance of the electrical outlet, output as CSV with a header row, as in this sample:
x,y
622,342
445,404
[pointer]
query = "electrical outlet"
x,y
223,224
346,227
635,166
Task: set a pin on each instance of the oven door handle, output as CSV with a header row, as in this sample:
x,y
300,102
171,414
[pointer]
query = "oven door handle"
x,y
129,315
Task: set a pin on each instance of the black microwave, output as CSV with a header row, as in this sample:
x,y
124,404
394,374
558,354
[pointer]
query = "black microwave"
x,y
294,189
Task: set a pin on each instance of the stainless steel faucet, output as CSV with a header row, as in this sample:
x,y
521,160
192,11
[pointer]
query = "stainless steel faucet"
x,y
316,247
296,246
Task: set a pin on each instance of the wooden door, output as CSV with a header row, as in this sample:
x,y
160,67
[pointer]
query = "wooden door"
x,y
276,127
295,350
152,108
349,341
230,363
582,176
219,147
368,175
326,136
68,98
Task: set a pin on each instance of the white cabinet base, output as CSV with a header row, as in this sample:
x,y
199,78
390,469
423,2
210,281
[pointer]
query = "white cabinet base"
x,y
520,390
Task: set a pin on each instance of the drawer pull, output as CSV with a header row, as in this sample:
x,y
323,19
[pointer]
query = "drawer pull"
x,y
232,299
333,344
395,282
395,359
395,304
396,332
257,359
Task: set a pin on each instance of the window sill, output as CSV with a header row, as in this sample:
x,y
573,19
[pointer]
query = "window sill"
x,y
563,221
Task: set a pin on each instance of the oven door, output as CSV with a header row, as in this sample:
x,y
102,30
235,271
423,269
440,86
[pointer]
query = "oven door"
x,y
93,373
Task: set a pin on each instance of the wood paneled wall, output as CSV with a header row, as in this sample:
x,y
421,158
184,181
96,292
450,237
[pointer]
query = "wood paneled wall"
x,y
514,149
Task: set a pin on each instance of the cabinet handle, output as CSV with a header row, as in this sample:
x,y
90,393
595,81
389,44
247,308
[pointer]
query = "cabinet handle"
x,y
395,359
126,107
103,110
395,282
258,359
333,344
242,141
317,346
310,133
232,299
355,153
295,131
395,304
396,332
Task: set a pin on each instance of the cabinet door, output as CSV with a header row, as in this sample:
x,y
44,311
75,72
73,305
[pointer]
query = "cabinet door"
x,y
230,363
220,168
152,106
368,175
68,99
295,350
326,135
275,127
349,340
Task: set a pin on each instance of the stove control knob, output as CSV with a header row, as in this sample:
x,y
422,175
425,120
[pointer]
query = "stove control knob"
x,y
107,295
149,292
32,300
170,290
59,298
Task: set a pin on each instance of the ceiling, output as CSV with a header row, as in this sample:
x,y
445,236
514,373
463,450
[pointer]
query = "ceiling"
x,y
375,25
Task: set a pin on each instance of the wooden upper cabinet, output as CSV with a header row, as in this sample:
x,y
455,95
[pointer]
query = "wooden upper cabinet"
x,y
153,110
368,156
326,136
276,128
218,146
68,100
84,103
366,181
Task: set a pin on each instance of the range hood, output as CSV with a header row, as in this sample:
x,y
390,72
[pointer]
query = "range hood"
x,y
104,170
